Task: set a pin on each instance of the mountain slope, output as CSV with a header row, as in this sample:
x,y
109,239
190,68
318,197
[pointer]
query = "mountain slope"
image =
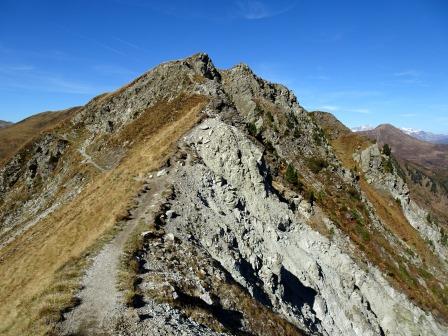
x,y
4,123
238,212
424,166
431,156
16,135
427,136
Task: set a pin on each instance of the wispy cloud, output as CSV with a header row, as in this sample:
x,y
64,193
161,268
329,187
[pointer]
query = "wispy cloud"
x,y
331,108
128,43
225,10
407,73
336,108
93,41
359,110
27,77
256,10
409,76
353,94
8,69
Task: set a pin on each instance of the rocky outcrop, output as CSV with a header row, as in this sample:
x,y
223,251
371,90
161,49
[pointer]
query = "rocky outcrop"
x,y
373,164
236,240
225,201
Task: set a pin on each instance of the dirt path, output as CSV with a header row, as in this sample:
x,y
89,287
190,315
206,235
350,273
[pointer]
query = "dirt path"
x,y
88,158
100,298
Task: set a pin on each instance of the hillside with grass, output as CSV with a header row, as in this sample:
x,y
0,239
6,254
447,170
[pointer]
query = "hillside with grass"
x,y
14,136
423,165
199,201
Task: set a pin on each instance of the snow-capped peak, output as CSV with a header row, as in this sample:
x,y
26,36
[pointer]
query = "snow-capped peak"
x,y
362,128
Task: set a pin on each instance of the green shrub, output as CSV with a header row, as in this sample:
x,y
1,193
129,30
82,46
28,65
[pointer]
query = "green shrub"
x,y
387,150
291,175
291,121
433,187
296,133
317,164
317,137
354,193
358,218
388,167
269,147
362,232
310,196
258,110
444,239
252,129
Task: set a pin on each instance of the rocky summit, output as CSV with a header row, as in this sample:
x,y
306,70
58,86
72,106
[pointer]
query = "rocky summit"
x,y
201,201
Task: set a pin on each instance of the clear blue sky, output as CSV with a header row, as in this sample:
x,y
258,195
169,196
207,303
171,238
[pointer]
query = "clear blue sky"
x,y
368,62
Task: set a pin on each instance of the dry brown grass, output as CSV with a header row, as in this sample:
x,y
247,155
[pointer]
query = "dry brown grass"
x,y
403,277
30,264
12,138
433,157
348,144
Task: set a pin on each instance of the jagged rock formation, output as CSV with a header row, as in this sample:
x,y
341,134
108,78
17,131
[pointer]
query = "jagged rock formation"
x,y
371,161
423,166
262,227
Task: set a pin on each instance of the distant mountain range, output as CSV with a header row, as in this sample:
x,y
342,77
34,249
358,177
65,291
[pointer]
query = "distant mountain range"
x,y
405,146
427,136
4,123
415,133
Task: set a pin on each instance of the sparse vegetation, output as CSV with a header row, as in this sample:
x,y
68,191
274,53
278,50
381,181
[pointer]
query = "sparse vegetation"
x,y
373,243
387,150
75,227
296,133
318,137
252,129
387,164
354,193
310,196
316,164
444,238
291,175
291,121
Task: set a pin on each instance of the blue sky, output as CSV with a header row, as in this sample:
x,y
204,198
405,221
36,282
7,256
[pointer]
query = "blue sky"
x,y
368,62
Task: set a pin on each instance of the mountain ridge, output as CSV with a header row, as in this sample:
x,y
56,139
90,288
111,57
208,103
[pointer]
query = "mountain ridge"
x,y
415,133
431,156
264,192
5,123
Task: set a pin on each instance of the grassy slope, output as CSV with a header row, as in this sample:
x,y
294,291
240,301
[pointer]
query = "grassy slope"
x,y
13,137
391,215
431,156
420,158
33,287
